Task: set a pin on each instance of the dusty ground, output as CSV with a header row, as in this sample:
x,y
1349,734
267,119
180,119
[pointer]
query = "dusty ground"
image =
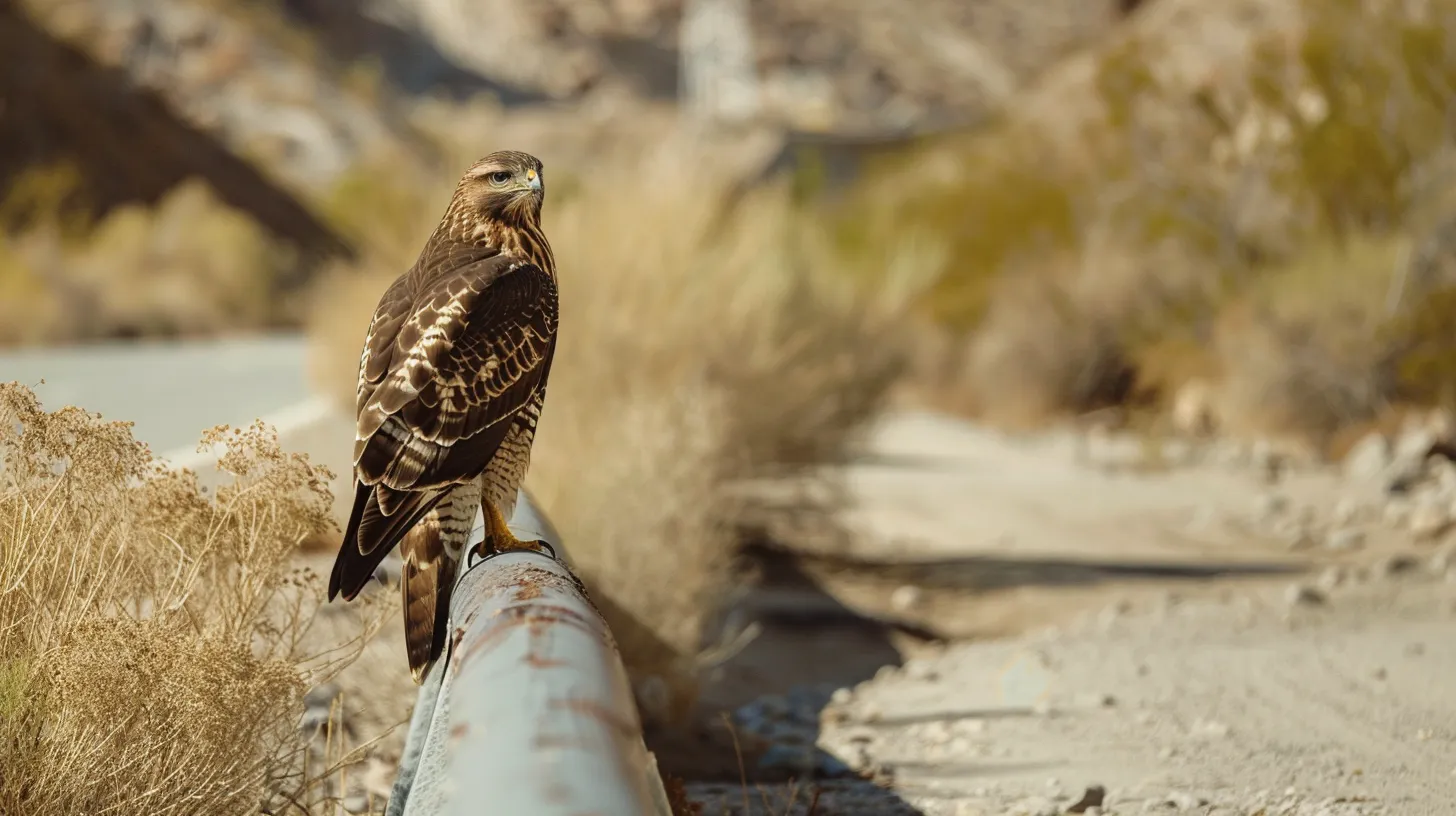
x,y
1162,621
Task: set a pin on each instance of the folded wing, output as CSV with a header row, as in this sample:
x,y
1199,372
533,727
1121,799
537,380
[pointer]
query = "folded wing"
x,y
448,362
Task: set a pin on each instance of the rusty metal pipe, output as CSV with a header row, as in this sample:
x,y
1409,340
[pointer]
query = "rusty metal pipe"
x,y
529,711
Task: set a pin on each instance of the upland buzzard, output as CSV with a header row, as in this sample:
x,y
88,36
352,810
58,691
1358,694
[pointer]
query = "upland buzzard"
x,y
451,385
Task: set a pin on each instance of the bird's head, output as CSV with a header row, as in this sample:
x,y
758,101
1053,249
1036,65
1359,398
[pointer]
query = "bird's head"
x,y
505,186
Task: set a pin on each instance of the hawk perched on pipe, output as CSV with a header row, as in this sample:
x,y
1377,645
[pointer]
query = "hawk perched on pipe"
x,y
451,385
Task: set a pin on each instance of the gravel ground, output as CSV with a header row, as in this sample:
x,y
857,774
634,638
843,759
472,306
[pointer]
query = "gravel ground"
x,y
1328,692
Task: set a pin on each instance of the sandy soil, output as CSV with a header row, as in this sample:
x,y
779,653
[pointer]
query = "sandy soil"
x,y
1188,636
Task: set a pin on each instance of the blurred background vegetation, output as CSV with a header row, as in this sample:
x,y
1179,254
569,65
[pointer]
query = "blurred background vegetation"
x,y
1021,212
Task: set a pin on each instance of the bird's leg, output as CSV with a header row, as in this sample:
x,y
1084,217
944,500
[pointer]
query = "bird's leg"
x,y
499,538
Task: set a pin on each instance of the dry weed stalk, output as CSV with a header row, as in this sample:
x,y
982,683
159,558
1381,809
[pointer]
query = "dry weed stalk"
x,y
152,636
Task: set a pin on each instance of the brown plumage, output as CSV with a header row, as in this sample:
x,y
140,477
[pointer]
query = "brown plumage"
x,y
451,385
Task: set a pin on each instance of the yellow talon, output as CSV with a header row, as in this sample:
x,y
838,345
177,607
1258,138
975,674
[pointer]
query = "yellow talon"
x,y
499,538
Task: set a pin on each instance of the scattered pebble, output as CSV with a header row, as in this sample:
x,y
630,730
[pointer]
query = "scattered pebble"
x,y
1091,801
906,597
1210,728
921,670
1345,538
1346,512
1368,457
1181,800
1429,519
1298,594
1396,565
1331,577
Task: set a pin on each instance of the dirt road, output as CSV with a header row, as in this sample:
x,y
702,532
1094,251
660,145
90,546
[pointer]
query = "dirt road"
x,y
1325,690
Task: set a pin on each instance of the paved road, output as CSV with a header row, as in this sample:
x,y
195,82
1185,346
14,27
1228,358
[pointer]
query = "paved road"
x,y
174,391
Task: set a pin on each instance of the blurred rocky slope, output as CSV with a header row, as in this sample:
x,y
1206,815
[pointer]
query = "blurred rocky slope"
x,y
304,87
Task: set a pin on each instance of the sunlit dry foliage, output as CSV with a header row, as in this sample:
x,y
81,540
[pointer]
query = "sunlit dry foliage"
x,y
190,265
152,655
1257,193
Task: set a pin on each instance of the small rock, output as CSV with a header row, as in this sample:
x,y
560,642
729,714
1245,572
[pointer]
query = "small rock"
x,y
921,670
1414,442
1303,595
1441,423
1210,728
1347,511
1396,565
859,734
906,597
321,696
857,756
972,725
1193,408
1345,538
318,709
936,732
1368,458
1182,800
1429,519
1091,801
841,696
1443,471
1330,578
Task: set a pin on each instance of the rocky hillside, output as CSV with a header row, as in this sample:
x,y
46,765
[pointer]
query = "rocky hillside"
x,y
289,109
823,64
306,86
60,103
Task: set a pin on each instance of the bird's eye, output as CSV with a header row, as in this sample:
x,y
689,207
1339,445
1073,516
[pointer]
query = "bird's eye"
x,y
500,177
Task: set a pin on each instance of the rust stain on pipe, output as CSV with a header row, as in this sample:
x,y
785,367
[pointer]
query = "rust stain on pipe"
x,y
625,728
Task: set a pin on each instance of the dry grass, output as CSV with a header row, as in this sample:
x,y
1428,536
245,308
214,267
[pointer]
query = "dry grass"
x,y
1268,202
190,265
153,636
702,348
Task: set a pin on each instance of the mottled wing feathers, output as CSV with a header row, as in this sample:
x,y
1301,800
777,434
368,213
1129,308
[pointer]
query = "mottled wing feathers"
x,y
369,528
452,355
461,365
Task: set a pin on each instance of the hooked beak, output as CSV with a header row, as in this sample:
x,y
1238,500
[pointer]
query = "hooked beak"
x,y
533,180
